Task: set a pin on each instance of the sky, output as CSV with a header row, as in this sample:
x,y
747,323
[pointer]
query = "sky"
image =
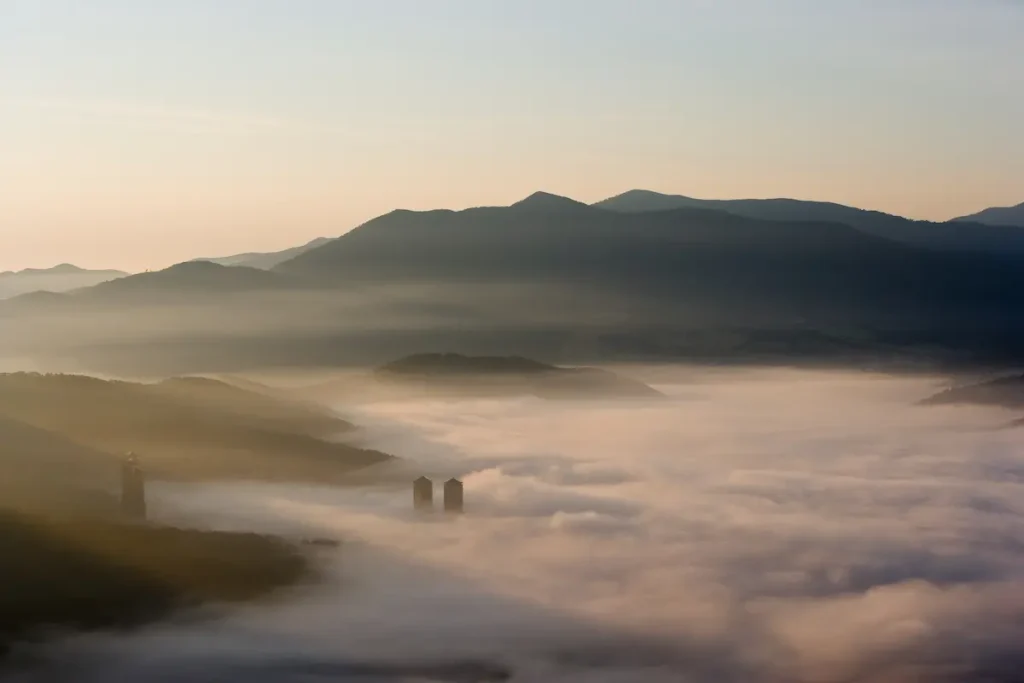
x,y
136,133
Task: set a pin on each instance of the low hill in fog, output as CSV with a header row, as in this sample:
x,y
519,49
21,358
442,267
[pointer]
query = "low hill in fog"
x,y
1007,392
510,375
187,428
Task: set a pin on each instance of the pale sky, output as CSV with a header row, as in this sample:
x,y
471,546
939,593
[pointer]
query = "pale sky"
x,y
139,133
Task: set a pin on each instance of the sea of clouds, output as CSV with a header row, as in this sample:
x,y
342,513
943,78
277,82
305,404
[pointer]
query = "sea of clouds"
x,y
778,526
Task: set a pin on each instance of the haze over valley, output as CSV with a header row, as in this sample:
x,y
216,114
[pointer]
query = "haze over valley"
x,y
777,282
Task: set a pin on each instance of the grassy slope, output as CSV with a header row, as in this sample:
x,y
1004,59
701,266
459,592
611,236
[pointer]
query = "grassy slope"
x,y
67,559
187,428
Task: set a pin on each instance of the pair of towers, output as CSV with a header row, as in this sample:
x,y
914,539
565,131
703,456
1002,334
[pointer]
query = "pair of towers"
x,y
133,488
423,495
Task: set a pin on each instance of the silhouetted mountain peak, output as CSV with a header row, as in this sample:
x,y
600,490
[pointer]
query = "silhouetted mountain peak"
x,y
545,201
645,200
644,194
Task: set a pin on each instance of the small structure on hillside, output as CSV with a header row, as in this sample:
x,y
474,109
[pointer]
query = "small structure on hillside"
x,y
453,500
423,494
133,488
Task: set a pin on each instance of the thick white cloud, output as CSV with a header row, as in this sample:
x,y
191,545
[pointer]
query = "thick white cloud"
x,y
757,526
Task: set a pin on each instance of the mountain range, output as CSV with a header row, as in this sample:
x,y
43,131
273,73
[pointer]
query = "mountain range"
x,y
692,257
636,276
67,277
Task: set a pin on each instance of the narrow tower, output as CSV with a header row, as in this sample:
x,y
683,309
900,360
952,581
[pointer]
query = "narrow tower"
x,y
423,494
453,496
133,488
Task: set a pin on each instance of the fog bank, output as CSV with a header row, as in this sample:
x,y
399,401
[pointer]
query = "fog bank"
x,y
756,526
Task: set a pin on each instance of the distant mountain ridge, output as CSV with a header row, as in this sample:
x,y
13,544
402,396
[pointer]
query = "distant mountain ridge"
x,y
190,277
546,238
692,266
62,278
191,282
998,215
62,269
966,234
266,260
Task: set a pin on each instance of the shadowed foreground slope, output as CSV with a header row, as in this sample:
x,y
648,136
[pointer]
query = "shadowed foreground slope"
x,y
59,573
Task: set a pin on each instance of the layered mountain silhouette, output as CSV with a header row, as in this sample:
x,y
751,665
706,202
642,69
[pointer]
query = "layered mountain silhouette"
x,y
552,277
972,233
62,278
190,279
1004,215
266,260
688,256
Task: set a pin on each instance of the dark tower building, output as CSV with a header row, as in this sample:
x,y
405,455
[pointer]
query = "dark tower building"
x,y
453,495
423,494
133,488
